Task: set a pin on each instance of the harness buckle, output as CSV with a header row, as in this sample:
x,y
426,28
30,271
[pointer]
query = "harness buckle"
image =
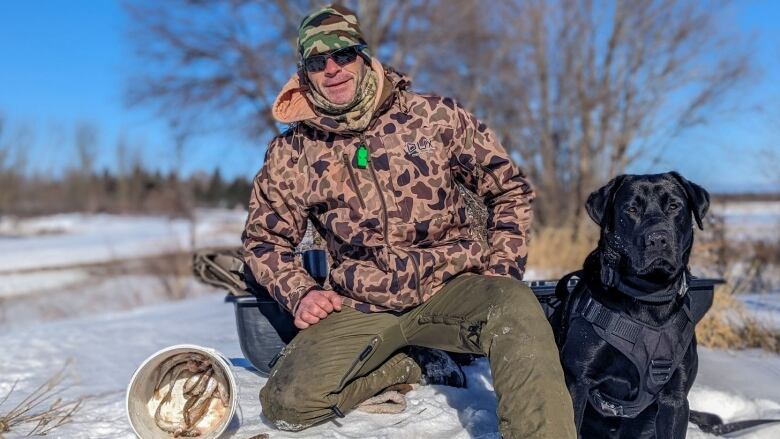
x,y
608,276
660,371
607,407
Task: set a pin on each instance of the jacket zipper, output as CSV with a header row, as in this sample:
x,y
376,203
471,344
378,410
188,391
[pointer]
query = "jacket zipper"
x,y
353,178
416,274
386,228
362,357
379,190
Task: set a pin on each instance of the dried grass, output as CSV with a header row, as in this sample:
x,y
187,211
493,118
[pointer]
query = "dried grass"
x,y
173,271
747,266
555,251
728,325
44,408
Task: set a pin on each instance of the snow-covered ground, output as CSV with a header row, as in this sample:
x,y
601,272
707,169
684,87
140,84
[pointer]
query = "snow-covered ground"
x,y
72,239
106,350
69,265
69,289
753,220
765,307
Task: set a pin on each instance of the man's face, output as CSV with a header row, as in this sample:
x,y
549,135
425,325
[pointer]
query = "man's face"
x,y
338,84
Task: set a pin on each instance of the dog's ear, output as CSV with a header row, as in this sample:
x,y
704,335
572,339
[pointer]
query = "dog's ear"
x,y
698,198
600,201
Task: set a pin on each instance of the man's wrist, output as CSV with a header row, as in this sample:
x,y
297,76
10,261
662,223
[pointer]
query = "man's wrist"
x,y
303,292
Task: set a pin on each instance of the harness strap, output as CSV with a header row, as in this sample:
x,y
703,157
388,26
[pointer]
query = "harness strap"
x,y
610,321
713,424
562,287
655,351
610,406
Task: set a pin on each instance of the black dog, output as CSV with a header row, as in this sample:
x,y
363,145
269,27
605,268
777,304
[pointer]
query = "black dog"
x,y
626,331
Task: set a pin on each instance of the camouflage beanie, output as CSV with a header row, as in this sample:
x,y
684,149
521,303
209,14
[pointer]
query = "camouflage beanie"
x,y
329,28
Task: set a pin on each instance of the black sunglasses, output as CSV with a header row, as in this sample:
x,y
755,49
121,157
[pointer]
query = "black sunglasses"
x,y
342,57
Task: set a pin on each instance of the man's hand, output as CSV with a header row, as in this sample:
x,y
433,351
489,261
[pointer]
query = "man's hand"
x,y
315,306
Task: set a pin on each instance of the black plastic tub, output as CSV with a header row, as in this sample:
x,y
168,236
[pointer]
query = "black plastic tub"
x,y
264,327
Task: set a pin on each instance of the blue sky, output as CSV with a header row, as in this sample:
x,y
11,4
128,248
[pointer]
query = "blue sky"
x,y
62,63
66,62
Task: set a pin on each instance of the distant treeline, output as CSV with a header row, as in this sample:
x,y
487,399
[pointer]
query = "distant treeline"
x,y
139,191
753,196
143,191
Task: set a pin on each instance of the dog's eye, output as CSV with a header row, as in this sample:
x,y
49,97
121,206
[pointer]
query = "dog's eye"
x,y
632,209
674,206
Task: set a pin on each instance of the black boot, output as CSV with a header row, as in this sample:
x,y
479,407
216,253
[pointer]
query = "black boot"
x,y
437,367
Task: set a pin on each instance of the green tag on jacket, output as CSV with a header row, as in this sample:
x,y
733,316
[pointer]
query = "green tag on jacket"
x,y
362,156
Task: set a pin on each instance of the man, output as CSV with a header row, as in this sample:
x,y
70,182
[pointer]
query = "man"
x,y
374,166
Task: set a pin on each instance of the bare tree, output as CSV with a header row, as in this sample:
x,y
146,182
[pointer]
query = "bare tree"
x,y
230,58
576,89
769,165
14,145
3,152
86,142
86,138
224,58
124,168
600,84
3,160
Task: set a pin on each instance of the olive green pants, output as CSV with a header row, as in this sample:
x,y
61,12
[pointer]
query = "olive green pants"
x,y
332,366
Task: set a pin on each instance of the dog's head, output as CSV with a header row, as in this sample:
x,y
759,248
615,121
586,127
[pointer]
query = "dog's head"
x,y
647,221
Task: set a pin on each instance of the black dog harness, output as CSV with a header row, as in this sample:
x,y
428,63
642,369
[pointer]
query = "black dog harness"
x,y
656,352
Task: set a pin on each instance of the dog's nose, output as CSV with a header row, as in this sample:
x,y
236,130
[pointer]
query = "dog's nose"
x,y
657,240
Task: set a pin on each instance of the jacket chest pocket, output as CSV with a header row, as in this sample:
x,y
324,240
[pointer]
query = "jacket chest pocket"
x,y
423,187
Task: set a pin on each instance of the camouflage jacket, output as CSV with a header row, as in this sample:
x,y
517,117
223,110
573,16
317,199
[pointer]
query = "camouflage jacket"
x,y
397,228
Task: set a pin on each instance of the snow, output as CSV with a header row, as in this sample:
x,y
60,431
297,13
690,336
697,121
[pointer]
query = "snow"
x,y
16,284
750,220
71,239
75,264
54,307
99,295
107,348
765,307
